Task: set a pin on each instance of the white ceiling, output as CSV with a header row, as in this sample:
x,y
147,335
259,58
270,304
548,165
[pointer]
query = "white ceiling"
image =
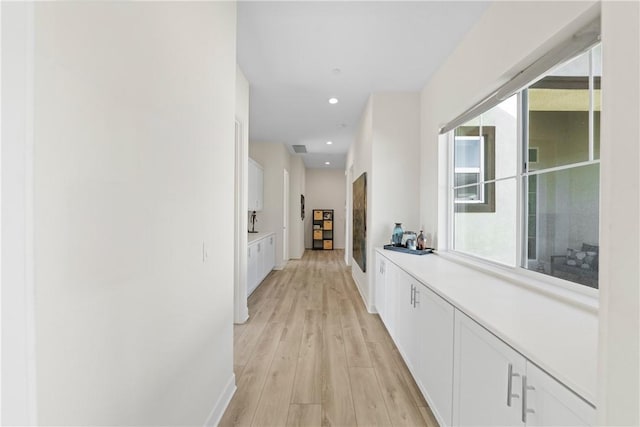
x,y
289,52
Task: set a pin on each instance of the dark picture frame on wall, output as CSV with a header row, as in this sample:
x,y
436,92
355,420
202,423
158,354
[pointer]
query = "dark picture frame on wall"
x,y
302,206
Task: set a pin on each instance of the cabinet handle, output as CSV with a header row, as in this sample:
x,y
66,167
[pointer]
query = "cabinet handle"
x,y
510,375
412,295
525,388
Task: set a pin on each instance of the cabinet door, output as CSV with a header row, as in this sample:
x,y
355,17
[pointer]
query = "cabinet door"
x,y
261,260
269,255
390,297
435,341
259,188
549,403
380,301
252,269
487,383
406,322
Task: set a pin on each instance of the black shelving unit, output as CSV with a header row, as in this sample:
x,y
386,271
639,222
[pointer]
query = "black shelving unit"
x,y
323,229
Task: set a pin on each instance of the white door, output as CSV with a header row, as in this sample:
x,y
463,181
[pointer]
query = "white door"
x,y
285,218
487,378
549,403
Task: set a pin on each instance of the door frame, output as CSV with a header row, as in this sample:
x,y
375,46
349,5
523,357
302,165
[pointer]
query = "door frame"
x,y
240,309
285,216
17,259
348,215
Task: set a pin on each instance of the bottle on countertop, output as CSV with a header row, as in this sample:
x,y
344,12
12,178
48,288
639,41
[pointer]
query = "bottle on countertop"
x,y
421,242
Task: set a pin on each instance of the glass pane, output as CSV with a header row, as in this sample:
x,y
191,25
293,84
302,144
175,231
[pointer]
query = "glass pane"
x,y
559,114
597,100
490,235
500,131
467,152
471,193
564,212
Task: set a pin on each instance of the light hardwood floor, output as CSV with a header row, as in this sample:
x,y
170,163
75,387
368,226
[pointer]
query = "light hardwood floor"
x,y
311,355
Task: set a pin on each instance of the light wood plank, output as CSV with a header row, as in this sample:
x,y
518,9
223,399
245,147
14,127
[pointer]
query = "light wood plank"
x,y
414,391
428,416
307,387
242,407
356,349
337,403
243,348
367,398
304,416
401,408
276,394
297,357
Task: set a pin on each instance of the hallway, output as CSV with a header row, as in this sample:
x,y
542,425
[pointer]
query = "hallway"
x,y
310,355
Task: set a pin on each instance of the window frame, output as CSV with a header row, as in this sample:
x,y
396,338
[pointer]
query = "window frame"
x,y
480,170
519,272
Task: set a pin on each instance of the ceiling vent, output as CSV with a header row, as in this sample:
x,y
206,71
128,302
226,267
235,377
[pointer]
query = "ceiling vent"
x,y
300,149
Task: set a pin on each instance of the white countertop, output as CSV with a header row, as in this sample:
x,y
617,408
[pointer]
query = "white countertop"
x,y
559,337
257,236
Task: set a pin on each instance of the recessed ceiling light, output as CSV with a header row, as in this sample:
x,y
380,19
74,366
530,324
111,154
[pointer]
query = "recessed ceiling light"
x,y
336,71
329,142
333,100
327,163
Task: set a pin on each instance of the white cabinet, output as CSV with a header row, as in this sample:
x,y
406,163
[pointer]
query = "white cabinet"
x,y
269,255
424,336
495,385
549,403
407,320
435,338
467,374
487,378
255,200
385,295
260,261
252,268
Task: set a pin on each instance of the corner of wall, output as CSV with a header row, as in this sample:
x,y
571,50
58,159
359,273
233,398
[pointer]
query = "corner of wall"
x,y
221,403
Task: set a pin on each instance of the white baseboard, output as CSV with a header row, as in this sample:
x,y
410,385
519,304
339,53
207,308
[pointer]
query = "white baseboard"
x,y
221,405
280,266
364,300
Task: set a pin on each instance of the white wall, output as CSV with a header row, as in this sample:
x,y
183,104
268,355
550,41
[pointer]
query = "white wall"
x,y
387,148
296,223
504,43
274,158
619,355
241,311
359,159
325,190
134,155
